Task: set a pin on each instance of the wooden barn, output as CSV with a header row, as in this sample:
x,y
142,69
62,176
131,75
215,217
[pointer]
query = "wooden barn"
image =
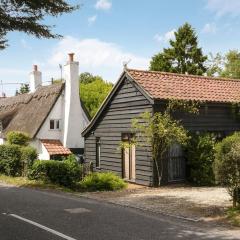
x,y
138,91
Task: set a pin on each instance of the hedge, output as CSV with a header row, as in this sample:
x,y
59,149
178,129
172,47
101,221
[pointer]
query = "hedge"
x,y
102,182
10,160
18,138
200,158
65,173
28,156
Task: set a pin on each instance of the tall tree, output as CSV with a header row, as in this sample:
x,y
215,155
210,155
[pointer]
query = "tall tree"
x,y
27,16
93,91
87,77
24,89
183,55
231,65
215,64
227,65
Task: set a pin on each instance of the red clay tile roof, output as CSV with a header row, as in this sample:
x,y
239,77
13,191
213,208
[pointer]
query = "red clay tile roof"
x,y
162,85
55,147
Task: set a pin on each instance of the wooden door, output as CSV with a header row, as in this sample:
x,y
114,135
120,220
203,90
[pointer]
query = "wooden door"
x,y
129,160
126,161
176,164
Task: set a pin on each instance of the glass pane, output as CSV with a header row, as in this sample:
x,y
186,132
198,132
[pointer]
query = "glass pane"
x,y
57,124
51,124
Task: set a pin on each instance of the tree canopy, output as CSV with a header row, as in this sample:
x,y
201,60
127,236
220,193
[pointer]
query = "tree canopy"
x,y
23,89
87,77
183,55
232,65
227,65
93,90
27,16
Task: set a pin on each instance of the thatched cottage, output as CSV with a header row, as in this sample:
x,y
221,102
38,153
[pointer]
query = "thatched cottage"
x,y
53,116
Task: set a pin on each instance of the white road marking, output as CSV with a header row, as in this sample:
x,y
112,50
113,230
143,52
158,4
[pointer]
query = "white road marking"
x,y
43,227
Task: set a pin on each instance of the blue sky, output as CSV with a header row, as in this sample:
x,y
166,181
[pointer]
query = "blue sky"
x,y
105,33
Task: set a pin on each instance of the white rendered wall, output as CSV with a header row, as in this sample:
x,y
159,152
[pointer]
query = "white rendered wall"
x,y
1,141
56,113
74,119
41,150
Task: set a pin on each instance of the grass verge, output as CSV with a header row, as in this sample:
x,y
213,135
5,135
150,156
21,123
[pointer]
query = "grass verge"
x,y
25,182
233,215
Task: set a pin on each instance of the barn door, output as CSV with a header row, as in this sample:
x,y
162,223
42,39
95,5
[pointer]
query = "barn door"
x,y
176,164
128,158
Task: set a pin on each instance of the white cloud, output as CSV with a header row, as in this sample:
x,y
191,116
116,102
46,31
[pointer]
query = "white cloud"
x,y
224,7
95,56
209,28
92,19
103,4
165,37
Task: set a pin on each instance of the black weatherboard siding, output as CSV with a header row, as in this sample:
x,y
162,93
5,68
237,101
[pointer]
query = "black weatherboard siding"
x,y
140,91
127,103
222,119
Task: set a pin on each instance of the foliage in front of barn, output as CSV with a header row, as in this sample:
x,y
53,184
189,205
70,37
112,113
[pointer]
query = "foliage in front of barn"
x,y
161,131
227,166
107,181
200,152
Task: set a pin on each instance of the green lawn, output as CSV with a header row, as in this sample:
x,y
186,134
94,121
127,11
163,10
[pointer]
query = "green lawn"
x,y
25,182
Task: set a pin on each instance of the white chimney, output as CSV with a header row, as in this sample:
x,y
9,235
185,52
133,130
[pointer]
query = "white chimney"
x,y
35,79
73,123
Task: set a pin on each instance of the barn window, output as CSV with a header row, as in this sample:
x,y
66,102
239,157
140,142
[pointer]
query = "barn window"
x,y
54,124
98,152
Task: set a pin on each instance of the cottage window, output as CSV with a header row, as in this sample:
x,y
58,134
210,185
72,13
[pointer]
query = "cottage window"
x,y
98,152
54,124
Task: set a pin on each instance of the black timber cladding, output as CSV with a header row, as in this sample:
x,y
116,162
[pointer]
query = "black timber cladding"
x,y
127,103
217,118
127,100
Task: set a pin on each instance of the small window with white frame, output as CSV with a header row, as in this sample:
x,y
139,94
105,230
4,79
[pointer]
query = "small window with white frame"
x,y
55,124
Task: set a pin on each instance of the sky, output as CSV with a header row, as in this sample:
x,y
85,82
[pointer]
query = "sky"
x,y
104,34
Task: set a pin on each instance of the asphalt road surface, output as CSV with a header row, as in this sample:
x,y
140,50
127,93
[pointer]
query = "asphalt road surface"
x,y
27,214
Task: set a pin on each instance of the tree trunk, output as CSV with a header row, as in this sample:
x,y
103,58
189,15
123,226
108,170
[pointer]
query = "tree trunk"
x,y
235,198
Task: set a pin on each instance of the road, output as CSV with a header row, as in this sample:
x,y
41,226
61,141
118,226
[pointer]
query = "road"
x,y
27,214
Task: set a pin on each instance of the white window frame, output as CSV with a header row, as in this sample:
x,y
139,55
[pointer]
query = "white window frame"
x,y
55,122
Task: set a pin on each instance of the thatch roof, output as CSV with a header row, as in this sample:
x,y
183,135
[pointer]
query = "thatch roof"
x,y
27,112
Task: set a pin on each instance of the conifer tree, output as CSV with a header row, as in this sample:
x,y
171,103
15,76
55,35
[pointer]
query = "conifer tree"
x,y
183,55
24,88
27,16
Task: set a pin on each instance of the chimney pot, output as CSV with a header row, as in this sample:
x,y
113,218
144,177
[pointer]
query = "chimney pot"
x,y
71,57
35,68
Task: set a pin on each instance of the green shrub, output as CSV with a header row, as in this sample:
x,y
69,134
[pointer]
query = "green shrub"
x,y
28,156
227,165
10,160
65,173
200,158
102,182
18,138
